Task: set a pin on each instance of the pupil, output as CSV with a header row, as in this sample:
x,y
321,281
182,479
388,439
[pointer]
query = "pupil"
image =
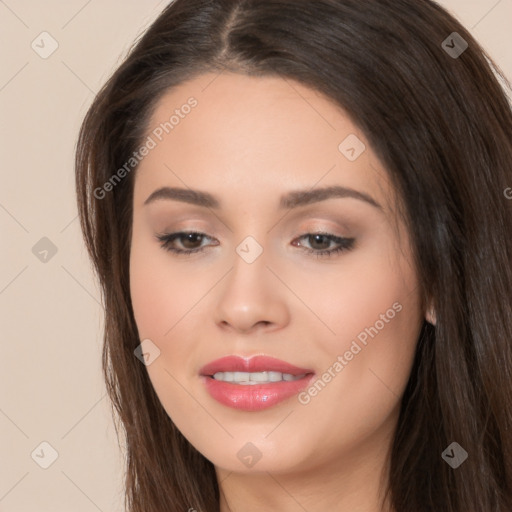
x,y
190,238
316,237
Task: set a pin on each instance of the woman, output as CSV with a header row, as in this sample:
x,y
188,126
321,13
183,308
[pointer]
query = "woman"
x,y
298,213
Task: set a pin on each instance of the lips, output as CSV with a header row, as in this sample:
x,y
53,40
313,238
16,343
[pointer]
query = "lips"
x,y
254,364
257,396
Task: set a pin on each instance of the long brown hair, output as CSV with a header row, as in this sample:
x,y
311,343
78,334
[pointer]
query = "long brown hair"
x,y
442,126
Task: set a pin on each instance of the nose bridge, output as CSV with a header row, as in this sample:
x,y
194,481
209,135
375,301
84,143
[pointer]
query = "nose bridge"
x,y
248,280
250,250
250,294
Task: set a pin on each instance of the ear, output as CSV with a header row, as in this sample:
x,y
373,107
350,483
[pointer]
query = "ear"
x,y
430,315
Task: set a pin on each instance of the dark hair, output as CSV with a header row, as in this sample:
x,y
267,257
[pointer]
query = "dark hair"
x,y
441,124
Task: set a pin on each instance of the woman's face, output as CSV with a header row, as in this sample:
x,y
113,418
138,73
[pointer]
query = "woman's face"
x,y
251,161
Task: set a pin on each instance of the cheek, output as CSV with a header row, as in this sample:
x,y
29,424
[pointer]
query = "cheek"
x,y
167,300
161,291
362,391
370,305
162,301
370,294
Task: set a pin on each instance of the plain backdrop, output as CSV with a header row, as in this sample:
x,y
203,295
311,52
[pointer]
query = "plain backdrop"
x,y
51,387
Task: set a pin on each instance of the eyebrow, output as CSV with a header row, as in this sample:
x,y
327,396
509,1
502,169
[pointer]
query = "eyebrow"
x,y
288,201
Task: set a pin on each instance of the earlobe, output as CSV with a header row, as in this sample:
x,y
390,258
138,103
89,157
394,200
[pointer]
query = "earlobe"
x,y
430,316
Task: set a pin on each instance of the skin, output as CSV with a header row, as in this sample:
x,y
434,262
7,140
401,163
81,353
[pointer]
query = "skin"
x,y
248,141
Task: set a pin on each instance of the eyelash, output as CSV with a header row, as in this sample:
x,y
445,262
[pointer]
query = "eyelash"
x,y
345,244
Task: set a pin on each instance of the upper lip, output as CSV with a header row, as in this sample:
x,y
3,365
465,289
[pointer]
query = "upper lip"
x,y
259,363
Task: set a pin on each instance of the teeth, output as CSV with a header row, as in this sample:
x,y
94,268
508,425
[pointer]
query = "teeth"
x,y
251,378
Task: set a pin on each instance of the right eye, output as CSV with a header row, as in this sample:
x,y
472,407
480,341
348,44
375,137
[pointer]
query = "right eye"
x,y
187,239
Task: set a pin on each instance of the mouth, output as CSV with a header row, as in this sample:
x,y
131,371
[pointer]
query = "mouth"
x,y
255,378
253,384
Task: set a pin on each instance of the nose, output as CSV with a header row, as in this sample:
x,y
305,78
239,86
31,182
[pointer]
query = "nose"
x,y
252,299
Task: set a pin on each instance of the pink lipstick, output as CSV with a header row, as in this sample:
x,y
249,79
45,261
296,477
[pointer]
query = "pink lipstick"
x,y
253,384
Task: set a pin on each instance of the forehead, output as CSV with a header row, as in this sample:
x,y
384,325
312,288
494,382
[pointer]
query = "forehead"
x,y
274,110
266,133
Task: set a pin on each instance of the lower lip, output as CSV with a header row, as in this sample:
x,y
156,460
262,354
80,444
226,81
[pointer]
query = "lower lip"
x,y
254,397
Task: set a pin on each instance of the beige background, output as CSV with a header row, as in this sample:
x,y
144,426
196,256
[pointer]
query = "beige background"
x,y
51,388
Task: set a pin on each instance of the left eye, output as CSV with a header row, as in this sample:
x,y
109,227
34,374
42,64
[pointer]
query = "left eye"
x,y
189,239
341,244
